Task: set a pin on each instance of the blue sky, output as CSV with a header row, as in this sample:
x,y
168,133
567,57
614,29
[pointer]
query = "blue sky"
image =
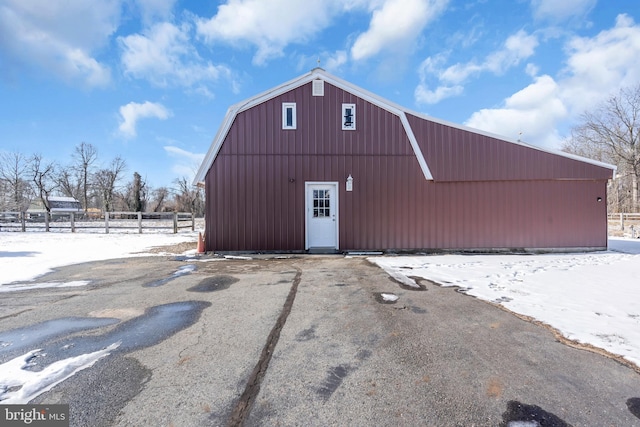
x,y
150,80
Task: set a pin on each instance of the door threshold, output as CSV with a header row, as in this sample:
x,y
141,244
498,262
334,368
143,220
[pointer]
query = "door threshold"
x,y
321,250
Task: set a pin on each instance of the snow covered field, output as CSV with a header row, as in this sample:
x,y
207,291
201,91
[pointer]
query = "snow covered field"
x,y
25,256
592,298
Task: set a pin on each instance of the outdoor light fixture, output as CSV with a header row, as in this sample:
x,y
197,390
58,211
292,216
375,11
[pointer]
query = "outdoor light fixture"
x,y
599,199
349,183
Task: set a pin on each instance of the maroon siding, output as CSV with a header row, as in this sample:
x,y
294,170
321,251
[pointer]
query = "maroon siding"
x,y
486,193
459,155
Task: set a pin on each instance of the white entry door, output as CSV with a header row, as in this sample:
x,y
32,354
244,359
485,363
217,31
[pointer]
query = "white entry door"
x,y
322,214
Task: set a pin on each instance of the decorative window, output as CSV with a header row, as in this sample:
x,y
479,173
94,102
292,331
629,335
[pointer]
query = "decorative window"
x,y
288,115
321,203
348,116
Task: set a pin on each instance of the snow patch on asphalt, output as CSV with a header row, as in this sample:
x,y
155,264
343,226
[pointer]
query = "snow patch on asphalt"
x,y
19,385
591,298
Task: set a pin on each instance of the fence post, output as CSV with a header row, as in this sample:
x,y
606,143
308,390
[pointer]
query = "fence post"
x,y
106,222
175,222
139,222
193,221
622,221
46,221
23,220
73,222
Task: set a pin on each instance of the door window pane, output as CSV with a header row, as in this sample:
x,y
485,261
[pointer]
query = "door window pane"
x,y
321,204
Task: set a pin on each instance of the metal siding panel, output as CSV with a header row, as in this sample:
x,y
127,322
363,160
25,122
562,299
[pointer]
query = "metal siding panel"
x,y
251,205
446,154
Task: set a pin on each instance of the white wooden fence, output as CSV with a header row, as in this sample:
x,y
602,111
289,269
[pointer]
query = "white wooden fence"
x,y
624,224
109,221
625,219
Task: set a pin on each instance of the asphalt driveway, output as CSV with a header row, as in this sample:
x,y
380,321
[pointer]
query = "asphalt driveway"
x,y
307,340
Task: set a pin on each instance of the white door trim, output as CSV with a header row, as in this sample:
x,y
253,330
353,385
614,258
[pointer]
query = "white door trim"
x,y
307,209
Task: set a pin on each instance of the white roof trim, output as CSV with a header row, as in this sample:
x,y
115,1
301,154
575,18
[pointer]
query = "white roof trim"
x,y
319,73
512,141
316,73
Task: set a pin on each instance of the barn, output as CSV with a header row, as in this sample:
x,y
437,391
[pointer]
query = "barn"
x,y
318,164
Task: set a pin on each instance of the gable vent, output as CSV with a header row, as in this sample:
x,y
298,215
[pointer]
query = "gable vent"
x,y
318,87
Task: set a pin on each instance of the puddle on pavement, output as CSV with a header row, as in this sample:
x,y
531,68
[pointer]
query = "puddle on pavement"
x,y
418,310
634,406
185,269
333,380
215,283
154,326
520,414
19,340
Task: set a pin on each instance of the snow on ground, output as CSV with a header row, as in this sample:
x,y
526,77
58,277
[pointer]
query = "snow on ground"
x,y
25,256
19,386
592,298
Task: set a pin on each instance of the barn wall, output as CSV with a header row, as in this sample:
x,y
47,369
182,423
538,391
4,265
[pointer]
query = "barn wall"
x,y
256,201
455,154
264,207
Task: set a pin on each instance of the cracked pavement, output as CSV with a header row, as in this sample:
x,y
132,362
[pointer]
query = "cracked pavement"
x,y
338,355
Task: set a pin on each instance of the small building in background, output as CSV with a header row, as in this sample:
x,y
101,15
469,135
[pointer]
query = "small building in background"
x,y
56,204
319,164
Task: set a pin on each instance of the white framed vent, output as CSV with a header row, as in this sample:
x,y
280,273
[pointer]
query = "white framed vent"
x,y
288,115
348,116
317,87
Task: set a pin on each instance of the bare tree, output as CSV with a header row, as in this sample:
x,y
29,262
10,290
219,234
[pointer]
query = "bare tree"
x,y
14,173
159,197
105,181
68,183
84,157
42,175
188,198
612,133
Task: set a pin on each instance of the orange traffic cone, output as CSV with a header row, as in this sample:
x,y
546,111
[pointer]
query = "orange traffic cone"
x,y
200,249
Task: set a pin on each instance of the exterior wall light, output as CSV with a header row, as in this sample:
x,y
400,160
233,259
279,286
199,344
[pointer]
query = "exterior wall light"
x,y
349,183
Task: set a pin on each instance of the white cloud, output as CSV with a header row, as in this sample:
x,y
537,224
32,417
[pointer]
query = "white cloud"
x,y
530,113
187,162
133,111
449,80
596,68
394,24
165,56
335,61
58,37
557,11
270,26
424,95
155,10
517,47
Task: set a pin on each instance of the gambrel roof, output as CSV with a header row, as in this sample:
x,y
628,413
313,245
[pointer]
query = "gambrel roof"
x,y
399,111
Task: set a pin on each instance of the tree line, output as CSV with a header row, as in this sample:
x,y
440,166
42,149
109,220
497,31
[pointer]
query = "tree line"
x,y
611,133
28,178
